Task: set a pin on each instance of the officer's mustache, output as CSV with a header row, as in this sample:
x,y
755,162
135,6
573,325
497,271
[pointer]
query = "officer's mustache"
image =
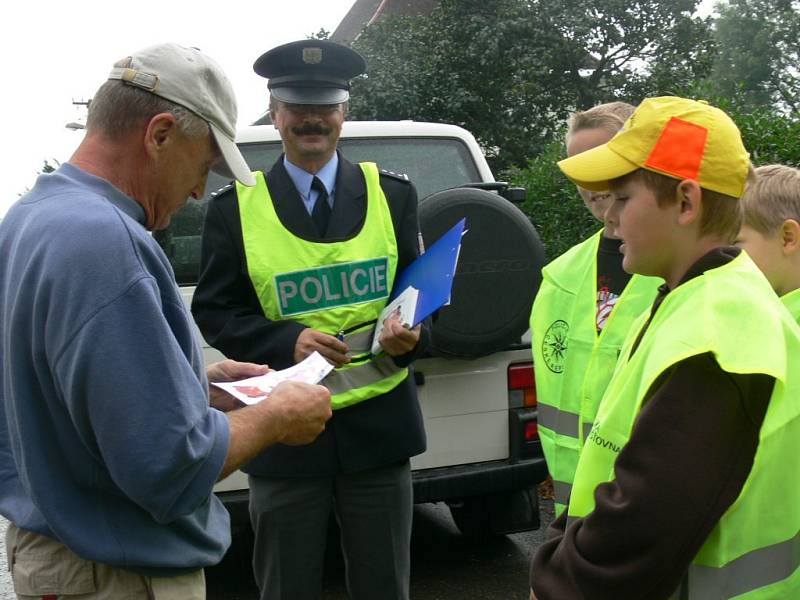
x,y
311,129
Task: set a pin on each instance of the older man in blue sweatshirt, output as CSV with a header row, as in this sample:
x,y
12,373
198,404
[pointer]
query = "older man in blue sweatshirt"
x,y
108,446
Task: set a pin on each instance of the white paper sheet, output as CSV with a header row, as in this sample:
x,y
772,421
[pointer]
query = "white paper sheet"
x,y
255,389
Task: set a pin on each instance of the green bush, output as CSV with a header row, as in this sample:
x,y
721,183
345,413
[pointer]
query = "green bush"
x,y
553,204
770,138
556,209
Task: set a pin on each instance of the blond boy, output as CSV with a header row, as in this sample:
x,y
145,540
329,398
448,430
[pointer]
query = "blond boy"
x,y
770,230
696,435
581,315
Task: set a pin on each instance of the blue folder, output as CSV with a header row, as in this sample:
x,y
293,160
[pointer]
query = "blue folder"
x,y
432,273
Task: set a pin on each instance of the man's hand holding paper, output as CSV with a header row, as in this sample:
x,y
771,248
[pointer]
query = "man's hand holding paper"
x,y
255,389
396,339
230,370
304,408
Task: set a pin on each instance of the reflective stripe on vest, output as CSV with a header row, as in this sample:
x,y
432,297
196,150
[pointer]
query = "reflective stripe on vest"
x,y
564,422
714,313
752,571
331,286
359,342
561,492
574,363
792,302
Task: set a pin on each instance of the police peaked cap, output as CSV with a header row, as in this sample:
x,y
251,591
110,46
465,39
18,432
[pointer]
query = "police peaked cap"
x,y
310,71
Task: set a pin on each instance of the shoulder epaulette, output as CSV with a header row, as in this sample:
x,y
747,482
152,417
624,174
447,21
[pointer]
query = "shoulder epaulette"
x,y
400,176
222,190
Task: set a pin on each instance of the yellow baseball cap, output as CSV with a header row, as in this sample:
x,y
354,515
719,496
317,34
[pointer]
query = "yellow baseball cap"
x,y
677,137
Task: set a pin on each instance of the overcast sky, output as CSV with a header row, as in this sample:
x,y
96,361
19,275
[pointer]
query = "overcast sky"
x,y
54,52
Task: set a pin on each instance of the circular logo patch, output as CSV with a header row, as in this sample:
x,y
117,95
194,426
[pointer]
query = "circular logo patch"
x,y
554,346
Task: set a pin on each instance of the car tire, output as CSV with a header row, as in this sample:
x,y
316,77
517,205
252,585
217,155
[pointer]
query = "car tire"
x,y
498,274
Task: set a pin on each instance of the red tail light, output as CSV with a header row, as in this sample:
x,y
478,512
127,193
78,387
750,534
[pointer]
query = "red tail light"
x,y
523,417
521,385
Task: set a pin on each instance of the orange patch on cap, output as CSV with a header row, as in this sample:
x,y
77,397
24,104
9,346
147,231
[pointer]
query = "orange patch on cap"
x,y
679,149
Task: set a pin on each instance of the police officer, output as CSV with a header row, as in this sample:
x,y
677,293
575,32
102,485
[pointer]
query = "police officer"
x,y
303,262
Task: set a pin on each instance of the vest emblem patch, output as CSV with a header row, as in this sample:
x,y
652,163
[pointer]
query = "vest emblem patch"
x,y
554,345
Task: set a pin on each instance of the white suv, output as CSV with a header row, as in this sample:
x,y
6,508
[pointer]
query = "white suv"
x,y
476,385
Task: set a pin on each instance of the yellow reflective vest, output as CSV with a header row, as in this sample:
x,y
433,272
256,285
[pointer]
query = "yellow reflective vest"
x,y
331,286
731,311
792,302
573,362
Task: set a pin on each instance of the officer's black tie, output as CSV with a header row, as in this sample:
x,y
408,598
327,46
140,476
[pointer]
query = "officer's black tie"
x,y
322,210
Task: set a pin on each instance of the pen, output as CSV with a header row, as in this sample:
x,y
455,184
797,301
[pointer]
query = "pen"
x,y
340,336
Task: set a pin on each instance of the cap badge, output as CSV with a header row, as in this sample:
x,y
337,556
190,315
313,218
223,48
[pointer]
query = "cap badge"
x,y
312,56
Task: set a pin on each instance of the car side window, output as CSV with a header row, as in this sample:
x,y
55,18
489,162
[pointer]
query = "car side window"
x,y
433,164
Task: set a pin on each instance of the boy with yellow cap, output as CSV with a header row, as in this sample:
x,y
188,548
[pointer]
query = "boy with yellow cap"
x,y
582,313
770,232
697,433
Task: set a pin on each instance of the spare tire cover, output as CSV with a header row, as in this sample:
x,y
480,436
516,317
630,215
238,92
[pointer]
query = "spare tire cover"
x,y
498,274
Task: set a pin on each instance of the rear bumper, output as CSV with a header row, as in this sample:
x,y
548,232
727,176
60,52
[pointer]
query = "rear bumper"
x,y
477,479
443,483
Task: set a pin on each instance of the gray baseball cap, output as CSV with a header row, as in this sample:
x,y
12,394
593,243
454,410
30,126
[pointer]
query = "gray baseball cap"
x,y
188,77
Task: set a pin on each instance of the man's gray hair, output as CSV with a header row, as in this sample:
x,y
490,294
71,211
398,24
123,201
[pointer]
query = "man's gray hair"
x,y
117,109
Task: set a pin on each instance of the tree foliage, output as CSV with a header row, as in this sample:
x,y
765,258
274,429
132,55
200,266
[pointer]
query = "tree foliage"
x,y
558,213
49,168
759,53
770,137
553,204
320,34
511,71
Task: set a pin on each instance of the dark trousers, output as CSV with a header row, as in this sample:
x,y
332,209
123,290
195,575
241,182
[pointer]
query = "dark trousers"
x,y
290,521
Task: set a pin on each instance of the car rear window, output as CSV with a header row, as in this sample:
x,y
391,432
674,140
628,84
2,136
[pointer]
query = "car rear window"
x,y
433,164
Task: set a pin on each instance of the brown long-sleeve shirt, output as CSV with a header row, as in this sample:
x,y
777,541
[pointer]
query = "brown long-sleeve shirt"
x,y
689,454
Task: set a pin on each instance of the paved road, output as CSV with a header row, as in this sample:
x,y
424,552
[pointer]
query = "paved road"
x,y
445,564
6,589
